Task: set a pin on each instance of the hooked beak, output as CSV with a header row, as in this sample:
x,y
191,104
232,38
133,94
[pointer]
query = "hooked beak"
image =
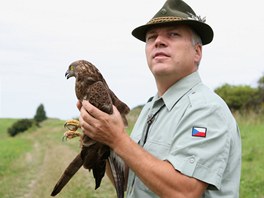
x,y
68,74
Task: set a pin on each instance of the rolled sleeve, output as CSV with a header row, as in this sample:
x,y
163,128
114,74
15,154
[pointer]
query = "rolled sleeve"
x,y
203,158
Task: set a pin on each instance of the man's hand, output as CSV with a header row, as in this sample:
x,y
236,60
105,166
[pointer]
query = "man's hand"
x,y
100,126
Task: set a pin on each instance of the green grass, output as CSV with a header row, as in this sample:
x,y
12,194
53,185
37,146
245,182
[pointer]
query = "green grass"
x,y
32,162
5,123
10,148
252,178
12,153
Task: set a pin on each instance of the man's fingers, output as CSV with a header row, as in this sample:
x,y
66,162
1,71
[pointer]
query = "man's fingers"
x,y
92,110
87,122
87,117
79,105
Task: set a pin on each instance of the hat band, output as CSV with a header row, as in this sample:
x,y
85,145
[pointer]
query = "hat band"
x,y
164,19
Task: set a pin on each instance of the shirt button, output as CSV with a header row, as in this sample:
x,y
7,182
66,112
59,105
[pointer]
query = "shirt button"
x,y
192,160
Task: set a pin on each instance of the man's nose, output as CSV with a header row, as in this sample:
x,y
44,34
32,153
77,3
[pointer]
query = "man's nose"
x,y
160,41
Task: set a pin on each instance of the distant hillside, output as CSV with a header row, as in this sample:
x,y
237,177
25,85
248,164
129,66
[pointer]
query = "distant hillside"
x,y
132,117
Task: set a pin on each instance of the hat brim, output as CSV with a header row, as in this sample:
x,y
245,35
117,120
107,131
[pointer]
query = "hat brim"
x,y
202,29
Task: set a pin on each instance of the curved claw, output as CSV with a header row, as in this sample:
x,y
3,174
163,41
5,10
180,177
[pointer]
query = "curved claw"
x,y
72,125
70,135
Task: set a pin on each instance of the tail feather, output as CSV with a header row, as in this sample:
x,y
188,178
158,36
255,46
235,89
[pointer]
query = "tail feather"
x,y
73,167
118,170
99,172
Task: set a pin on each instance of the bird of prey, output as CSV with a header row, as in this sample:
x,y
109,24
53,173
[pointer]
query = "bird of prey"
x,y
90,85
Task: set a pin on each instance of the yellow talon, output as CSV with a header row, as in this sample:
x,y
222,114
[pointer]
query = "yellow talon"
x,y
72,125
70,135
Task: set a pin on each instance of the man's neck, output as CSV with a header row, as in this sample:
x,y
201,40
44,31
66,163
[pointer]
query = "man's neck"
x,y
164,83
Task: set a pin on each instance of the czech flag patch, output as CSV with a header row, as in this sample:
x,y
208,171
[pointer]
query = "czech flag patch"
x,y
199,131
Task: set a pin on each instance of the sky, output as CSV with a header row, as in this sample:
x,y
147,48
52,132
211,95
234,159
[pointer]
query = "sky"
x,y
39,40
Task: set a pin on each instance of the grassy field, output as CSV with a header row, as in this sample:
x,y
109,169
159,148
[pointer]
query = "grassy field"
x,y
252,134
32,162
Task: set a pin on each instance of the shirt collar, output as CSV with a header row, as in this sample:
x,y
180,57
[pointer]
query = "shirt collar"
x,y
178,90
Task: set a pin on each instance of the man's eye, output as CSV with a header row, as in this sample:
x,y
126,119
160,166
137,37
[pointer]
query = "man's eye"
x,y
173,34
150,37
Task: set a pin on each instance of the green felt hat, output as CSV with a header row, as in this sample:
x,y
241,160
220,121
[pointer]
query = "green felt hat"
x,y
177,12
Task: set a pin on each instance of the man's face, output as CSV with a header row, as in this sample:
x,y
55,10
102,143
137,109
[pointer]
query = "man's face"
x,y
171,53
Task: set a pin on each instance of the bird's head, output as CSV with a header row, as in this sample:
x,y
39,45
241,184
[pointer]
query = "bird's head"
x,y
71,71
83,69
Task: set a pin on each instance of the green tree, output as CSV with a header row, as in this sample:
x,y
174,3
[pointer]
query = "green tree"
x,y
261,82
261,95
261,88
40,114
241,97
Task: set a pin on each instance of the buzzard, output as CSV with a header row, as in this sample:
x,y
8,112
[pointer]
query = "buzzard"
x,y
90,85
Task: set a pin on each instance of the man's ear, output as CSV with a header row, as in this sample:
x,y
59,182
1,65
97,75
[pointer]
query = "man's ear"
x,y
198,52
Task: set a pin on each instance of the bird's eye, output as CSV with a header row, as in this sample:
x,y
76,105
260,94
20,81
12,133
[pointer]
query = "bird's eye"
x,y
71,67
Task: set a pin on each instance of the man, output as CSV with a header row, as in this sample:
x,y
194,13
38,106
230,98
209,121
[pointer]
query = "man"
x,y
185,142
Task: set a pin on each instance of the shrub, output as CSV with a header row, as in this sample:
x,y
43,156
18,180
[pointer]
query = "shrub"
x,y
240,97
20,126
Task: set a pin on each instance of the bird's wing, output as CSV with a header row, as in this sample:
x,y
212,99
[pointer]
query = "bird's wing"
x,y
73,167
117,168
121,106
97,94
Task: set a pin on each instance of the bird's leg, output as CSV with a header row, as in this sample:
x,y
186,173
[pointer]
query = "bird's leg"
x,y
73,126
71,134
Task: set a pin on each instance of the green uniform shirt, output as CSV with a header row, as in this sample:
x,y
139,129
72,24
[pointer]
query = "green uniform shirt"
x,y
196,132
